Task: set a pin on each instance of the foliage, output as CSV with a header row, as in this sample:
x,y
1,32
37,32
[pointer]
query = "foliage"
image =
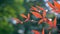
x,y
27,16
9,9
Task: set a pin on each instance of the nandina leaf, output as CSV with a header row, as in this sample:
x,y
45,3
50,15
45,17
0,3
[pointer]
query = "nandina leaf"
x,y
50,4
40,21
36,14
40,8
28,18
57,5
50,23
54,22
57,11
45,19
34,8
35,32
44,13
28,15
23,15
43,31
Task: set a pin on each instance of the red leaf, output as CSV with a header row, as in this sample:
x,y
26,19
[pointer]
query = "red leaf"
x,y
28,18
54,22
50,23
50,5
57,11
28,15
23,15
36,14
45,19
57,5
43,31
35,32
40,21
34,8
40,8
44,13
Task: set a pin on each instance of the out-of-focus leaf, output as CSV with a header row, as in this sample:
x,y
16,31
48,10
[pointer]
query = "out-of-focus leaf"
x,y
37,15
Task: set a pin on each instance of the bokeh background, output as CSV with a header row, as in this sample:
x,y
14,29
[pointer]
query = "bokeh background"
x,y
13,8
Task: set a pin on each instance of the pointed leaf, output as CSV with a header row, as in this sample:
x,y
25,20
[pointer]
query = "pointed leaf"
x,y
36,14
28,18
34,8
28,15
50,23
45,19
50,4
23,15
57,5
44,13
54,22
43,31
40,8
40,21
35,32
57,11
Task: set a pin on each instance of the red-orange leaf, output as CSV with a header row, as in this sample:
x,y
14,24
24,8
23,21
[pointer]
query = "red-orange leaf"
x,y
40,8
34,8
54,22
50,4
35,32
57,5
57,11
50,23
40,21
43,31
44,13
45,19
36,14
23,15
28,15
28,18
